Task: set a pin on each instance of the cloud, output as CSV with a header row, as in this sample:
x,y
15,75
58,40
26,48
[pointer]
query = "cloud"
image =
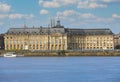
x,y
115,16
1,23
3,16
56,3
101,1
108,1
88,5
29,16
41,1
67,2
105,20
67,13
52,4
20,16
79,18
16,16
4,7
88,15
72,14
43,11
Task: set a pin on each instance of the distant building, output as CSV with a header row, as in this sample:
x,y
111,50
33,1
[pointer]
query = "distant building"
x,y
117,41
57,37
1,41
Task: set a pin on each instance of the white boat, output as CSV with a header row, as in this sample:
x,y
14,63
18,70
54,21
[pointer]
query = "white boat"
x,y
10,54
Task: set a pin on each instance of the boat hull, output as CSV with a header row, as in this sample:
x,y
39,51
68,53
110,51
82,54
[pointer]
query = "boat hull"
x,y
9,54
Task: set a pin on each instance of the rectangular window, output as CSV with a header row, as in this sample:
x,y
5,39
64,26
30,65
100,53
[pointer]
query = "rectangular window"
x,y
56,41
7,46
15,42
37,47
17,46
10,46
40,46
14,46
40,42
10,41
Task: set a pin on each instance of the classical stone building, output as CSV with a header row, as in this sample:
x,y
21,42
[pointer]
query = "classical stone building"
x,y
58,38
1,41
90,39
117,41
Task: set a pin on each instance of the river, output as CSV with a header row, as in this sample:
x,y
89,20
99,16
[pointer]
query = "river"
x,y
60,69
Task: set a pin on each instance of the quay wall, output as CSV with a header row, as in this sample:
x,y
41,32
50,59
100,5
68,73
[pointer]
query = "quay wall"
x,y
72,54
65,53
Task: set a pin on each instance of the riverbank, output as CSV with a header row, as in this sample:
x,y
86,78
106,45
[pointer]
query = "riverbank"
x,y
73,53
66,53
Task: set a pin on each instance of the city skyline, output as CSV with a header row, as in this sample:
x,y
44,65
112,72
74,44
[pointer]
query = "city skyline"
x,y
72,13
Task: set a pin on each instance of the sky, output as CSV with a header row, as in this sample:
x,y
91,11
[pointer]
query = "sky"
x,y
83,14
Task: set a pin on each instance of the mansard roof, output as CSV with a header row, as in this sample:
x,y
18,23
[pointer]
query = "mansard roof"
x,y
41,30
104,31
28,31
74,31
45,30
55,30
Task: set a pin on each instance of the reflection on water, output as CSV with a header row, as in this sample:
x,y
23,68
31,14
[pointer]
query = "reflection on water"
x,y
60,69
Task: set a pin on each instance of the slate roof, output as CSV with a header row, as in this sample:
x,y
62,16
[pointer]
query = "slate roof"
x,y
55,30
59,29
41,30
104,31
44,30
28,31
74,31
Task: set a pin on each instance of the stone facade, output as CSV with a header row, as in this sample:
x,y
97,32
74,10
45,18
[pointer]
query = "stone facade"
x,y
117,41
58,38
91,39
1,41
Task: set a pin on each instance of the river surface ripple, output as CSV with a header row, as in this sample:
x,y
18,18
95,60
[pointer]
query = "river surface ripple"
x,y
60,69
